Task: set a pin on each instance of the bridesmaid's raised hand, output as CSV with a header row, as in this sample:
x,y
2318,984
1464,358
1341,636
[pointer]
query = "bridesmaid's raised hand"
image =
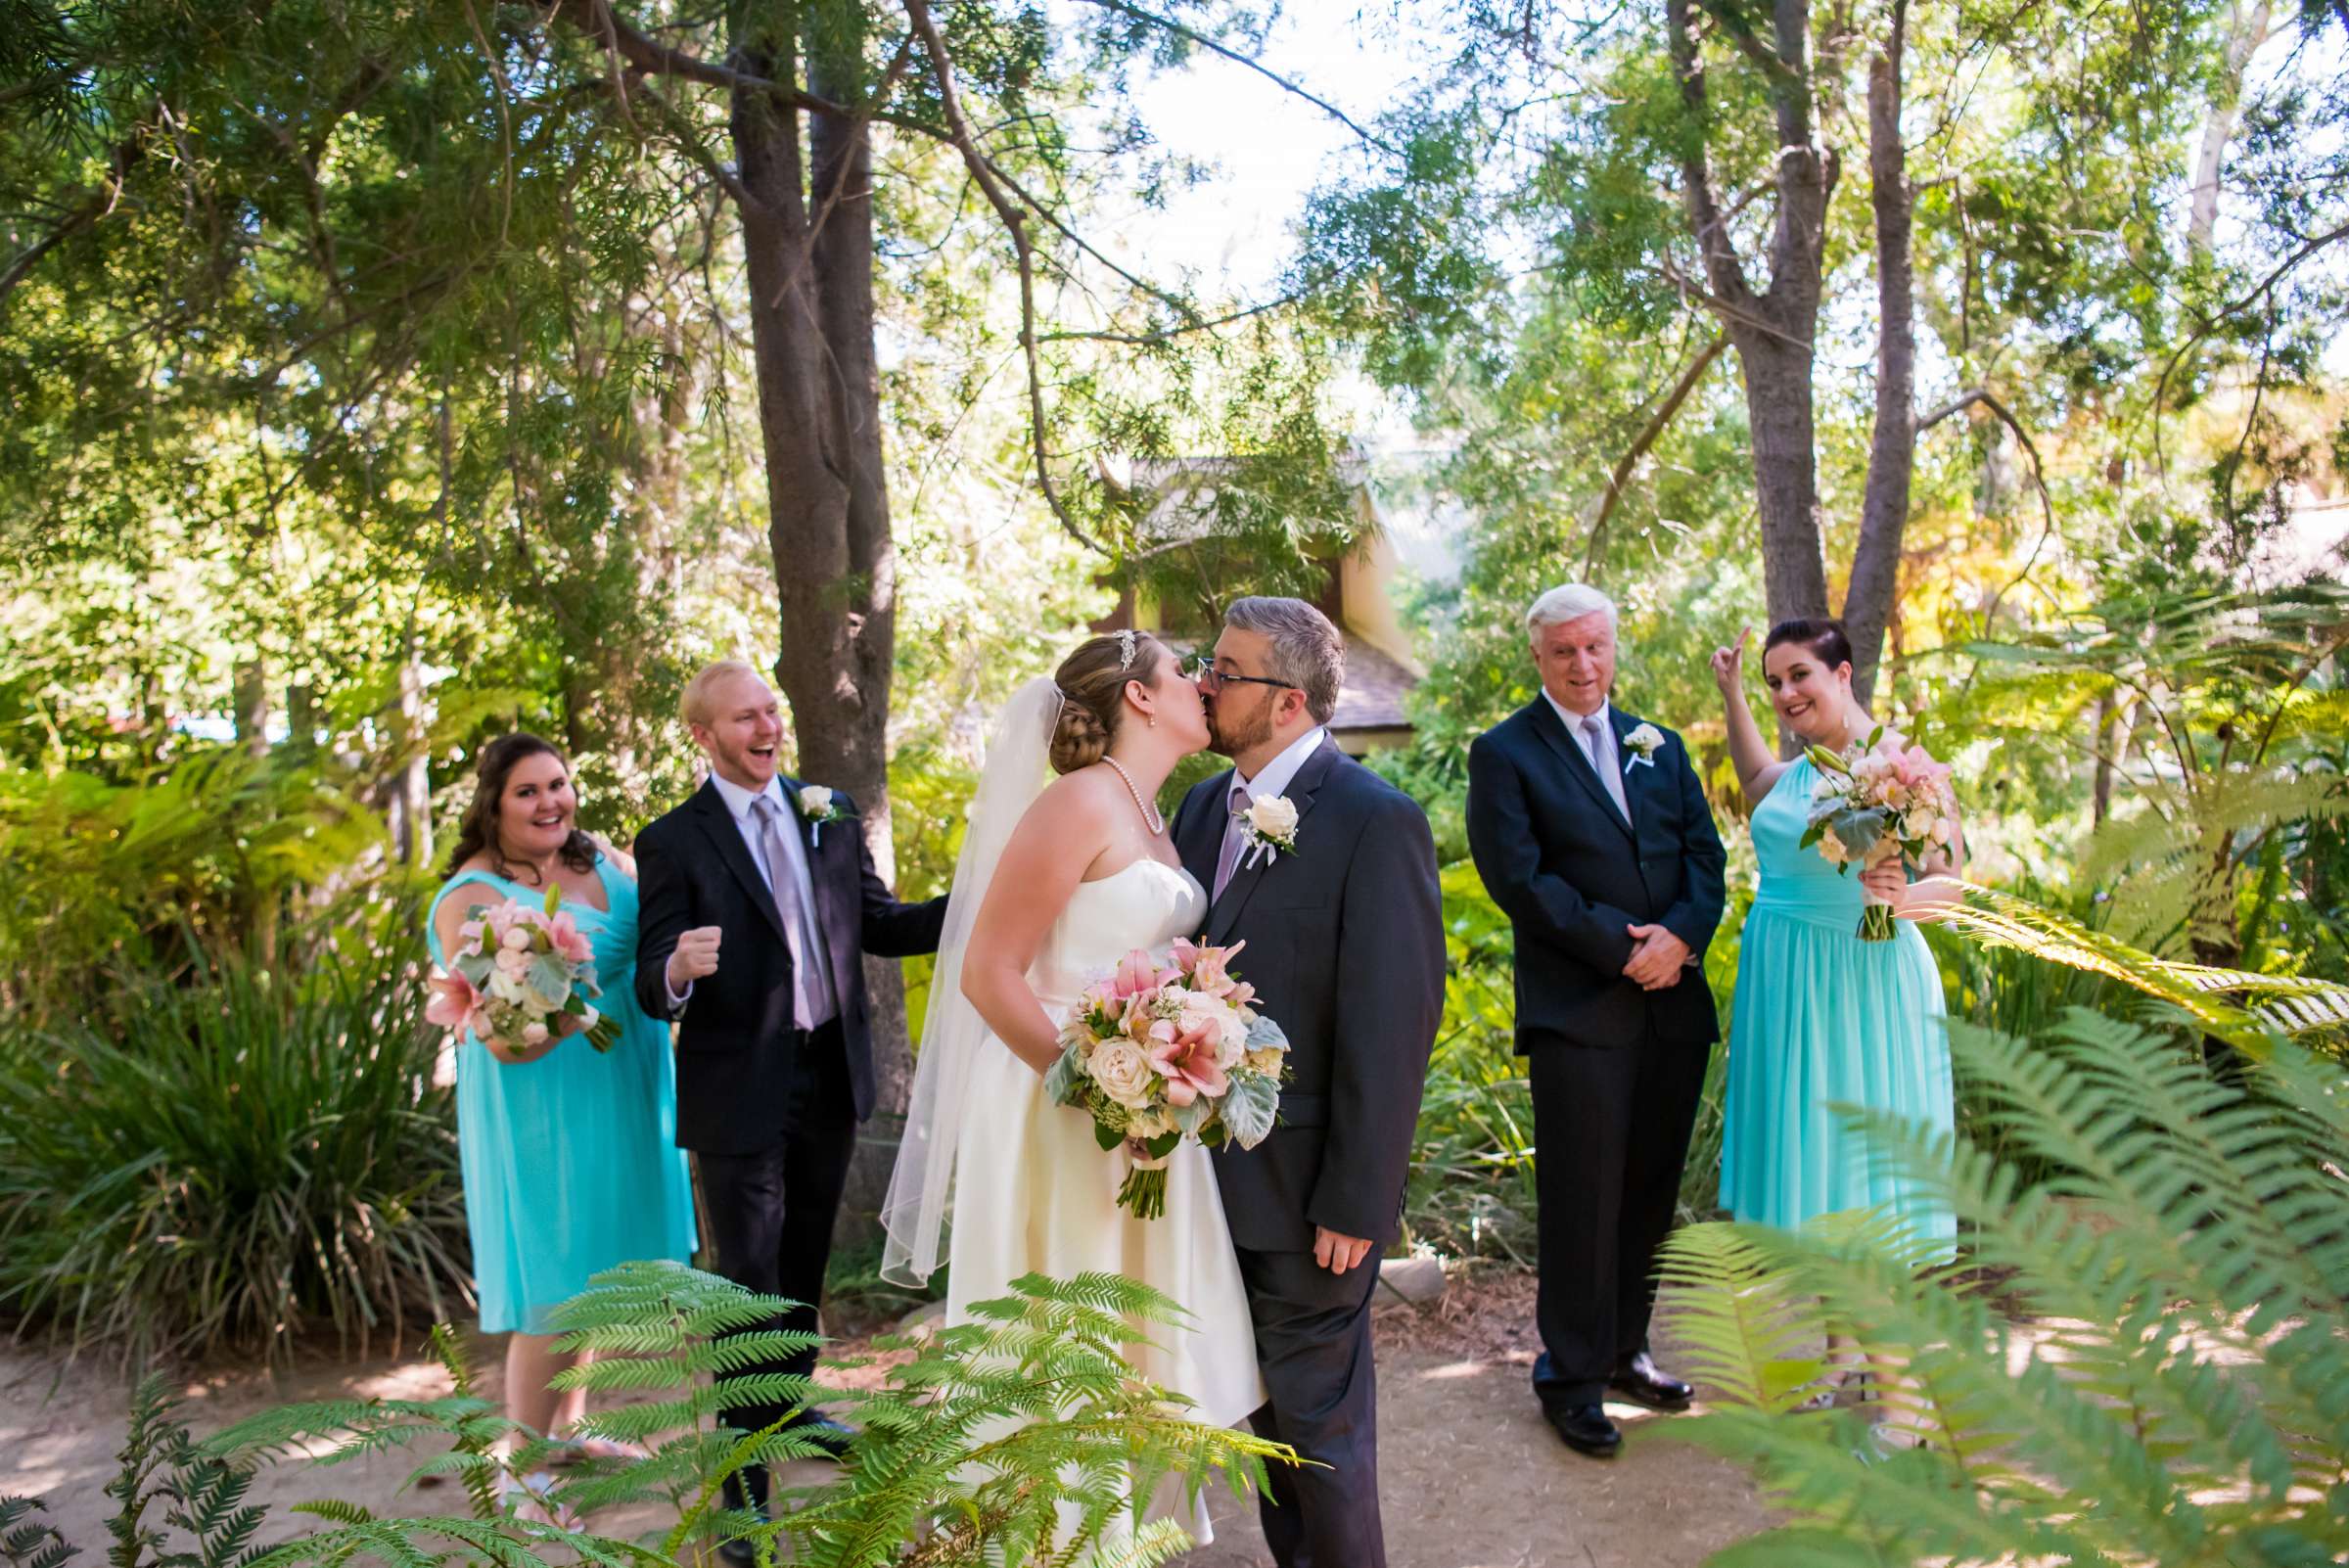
x,y
1729,665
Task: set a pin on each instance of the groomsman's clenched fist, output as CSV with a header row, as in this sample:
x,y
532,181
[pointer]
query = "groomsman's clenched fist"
x,y
696,955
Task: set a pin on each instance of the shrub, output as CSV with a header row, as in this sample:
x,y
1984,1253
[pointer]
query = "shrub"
x,y
2186,1399
237,1158
996,1437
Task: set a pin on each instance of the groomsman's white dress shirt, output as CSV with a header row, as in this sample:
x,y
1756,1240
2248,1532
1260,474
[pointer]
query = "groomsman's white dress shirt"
x,y
811,938
1275,779
1597,744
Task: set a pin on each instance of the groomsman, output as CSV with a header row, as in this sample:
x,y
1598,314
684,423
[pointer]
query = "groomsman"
x,y
758,901
1591,832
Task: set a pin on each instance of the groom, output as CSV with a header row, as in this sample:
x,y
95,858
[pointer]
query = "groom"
x,y
1591,833
1345,946
758,901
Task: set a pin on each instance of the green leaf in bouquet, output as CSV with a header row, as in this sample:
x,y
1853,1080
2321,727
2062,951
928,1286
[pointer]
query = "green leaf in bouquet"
x,y
1265,1033
1108,1135
550,976
1189,1118
1859,829
1064,1077
1163,1145
1251,1108
475,967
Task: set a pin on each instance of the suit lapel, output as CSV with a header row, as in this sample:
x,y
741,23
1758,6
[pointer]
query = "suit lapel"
x,y
1637,779
1551,728
718,825
1198,833
1246,876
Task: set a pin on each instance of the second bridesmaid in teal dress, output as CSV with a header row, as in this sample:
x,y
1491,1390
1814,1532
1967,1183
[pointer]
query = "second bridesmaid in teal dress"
x,y
568,1155
1821,1018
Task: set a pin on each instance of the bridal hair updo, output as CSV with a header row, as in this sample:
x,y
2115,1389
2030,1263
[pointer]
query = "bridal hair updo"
x,y
1092,689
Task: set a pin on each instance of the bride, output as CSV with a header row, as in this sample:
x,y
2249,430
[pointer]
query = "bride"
x,y
1059,878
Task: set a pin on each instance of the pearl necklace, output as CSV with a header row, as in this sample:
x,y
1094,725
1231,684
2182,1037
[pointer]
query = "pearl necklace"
x,y
1156,824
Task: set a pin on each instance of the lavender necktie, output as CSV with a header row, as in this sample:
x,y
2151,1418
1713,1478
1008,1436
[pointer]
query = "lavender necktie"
x,y
810,987
1602,759
1233,838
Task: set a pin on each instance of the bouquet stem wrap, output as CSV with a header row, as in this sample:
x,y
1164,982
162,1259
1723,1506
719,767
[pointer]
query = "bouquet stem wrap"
x,y
1144,1190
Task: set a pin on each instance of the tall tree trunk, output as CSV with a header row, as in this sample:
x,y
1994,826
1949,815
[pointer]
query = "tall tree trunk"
x,y
2246,31
810,254
1781,416
1892,449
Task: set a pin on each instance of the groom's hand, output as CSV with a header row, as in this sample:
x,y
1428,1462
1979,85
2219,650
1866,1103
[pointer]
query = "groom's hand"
x,y
1656,961
1337,1253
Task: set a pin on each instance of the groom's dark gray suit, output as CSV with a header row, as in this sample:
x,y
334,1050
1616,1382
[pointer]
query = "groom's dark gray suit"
x,y
1345,946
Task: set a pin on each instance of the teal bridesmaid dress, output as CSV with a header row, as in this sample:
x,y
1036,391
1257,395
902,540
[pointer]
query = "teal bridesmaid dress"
x,y
570,1162
1823,1019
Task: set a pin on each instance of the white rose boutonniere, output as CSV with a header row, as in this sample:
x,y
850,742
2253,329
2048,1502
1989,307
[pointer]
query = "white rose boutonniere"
x,y
1270,828
817,805
1642,743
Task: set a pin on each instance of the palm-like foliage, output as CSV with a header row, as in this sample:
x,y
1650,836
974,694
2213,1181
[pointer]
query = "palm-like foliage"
x,y
2181,1394
2203,701
1021,1437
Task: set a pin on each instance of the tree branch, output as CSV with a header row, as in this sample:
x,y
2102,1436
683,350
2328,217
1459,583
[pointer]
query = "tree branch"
x,y
1015,224
2039,480
1656,427
1122,7
1723,270
1740,30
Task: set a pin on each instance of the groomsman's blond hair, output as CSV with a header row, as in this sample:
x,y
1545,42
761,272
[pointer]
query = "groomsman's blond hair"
x,y
693,704
1569,601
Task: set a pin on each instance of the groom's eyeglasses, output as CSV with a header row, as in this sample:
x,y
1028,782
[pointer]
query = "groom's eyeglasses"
x,y
1211,678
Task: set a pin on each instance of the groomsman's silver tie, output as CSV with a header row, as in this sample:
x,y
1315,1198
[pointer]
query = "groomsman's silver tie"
x,y
811,982
1602,759
1233,838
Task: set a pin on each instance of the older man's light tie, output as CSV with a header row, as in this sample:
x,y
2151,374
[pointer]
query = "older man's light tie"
x,y
1603,761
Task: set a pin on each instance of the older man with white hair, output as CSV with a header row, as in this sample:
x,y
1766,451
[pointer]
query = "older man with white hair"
x,y
1591,832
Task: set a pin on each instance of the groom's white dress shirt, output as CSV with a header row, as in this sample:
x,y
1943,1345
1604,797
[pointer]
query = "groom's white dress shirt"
x,y
1274,778
739,803
1597,744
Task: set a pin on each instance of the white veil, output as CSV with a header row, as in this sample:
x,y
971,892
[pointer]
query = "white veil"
x,y
920,1197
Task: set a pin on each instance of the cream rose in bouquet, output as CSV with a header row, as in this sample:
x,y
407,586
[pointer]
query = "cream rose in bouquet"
x,y
1870,805
521,973
1162,1049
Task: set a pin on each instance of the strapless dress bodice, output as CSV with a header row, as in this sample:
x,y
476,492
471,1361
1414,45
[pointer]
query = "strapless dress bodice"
x,y
1147,903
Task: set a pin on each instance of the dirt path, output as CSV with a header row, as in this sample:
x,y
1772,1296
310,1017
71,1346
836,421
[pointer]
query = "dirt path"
x,y
1471,1476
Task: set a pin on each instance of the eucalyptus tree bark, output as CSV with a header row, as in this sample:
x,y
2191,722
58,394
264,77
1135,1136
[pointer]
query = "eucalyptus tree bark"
x,y
1772,327
807,246
1892,448
2247,28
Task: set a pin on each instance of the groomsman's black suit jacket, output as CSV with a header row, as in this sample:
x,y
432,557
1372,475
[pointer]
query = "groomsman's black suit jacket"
x,y
1346,949
736,1047
1573,876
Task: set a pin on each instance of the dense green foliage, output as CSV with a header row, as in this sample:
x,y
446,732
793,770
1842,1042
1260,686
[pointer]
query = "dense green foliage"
x,y
2158,1375
939,1475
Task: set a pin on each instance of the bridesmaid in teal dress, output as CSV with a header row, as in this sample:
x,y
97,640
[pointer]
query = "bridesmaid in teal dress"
x,y
569,1154
1822,1018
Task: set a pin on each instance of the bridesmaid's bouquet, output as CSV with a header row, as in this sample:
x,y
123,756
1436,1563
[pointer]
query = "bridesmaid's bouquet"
x,y
521,972
1870,806
1160,1049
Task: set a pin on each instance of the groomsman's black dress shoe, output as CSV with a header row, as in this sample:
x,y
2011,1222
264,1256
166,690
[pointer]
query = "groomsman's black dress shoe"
x,y
1639,1381
1586,1429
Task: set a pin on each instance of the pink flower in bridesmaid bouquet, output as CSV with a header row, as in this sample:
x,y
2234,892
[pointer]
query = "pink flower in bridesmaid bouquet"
x,y
454,1004
1187,1053
570,943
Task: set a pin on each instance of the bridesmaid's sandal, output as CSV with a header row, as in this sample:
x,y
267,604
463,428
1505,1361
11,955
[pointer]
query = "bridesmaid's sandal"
x,y
532,1497
579,1450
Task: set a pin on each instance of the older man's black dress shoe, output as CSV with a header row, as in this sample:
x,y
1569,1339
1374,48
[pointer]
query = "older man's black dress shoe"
x,y
1586,1429
1639,1381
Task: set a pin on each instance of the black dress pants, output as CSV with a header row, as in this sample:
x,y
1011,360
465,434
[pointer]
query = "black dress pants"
x,y
771,1215
1313,1341
1611,1133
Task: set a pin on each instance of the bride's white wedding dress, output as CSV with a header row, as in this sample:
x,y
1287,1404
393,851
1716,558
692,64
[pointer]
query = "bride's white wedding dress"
x,y
1033,1192
1013,1184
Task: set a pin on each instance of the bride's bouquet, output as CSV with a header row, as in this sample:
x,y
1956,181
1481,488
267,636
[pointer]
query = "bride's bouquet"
x,y
1162,1049
1870,806
521,972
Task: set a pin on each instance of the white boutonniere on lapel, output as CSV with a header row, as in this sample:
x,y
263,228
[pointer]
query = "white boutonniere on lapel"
x,y
1269,827
817,806
1642,743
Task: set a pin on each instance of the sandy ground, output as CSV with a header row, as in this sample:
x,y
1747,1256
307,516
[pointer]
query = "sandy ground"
x,y
1471,1476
